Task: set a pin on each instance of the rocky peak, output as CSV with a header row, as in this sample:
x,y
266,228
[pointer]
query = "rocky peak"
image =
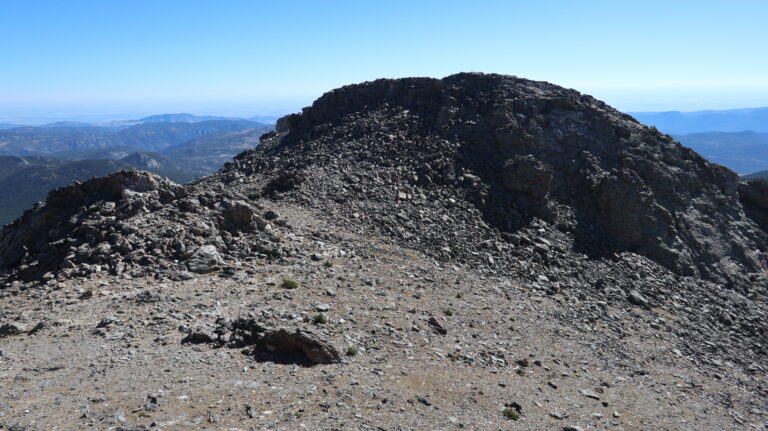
x,y
515,150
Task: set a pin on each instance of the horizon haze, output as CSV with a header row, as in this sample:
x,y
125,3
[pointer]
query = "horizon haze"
x,y
95,60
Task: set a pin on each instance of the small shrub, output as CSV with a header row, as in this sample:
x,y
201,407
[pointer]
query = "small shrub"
x,y
319,319
448,312
328,264
520,372
459,295
511,414
290,284
351,351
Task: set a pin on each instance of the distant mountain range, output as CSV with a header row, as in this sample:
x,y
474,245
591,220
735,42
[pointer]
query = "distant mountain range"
x,y
735,138
733,120
183,118
161,118
34,160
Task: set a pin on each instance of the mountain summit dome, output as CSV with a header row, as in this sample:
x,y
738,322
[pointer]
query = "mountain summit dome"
x,y
512,151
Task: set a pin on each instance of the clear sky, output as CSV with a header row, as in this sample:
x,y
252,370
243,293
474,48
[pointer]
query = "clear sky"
x,y
111,58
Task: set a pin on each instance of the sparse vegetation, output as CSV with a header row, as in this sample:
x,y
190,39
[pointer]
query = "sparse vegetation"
x,y
351,351
448,312
290,284
328,264
520,371
511,414
319,319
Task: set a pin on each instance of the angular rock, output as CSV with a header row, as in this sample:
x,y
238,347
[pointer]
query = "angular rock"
x,y
205,258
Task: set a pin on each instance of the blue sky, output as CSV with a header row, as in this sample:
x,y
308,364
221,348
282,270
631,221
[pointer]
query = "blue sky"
x,y
111,58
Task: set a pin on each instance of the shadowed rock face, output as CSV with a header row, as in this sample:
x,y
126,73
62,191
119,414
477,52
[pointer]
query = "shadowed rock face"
x,y
518,149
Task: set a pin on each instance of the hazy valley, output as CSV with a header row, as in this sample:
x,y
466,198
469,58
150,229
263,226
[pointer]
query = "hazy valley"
x,y
181,147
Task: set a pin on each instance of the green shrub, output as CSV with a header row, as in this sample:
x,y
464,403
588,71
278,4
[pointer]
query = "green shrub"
x,y
351,351
328,264
290,284
511,414
319,319
448,312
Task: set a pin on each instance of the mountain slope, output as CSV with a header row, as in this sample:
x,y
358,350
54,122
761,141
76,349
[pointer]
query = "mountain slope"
x,y
9,165
744,152
29,181
756,175
209,153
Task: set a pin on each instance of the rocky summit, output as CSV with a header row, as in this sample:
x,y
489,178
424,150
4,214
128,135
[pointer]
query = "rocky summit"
x,y
473,252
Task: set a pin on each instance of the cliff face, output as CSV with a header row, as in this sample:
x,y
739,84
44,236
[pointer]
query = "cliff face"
x,y
518,150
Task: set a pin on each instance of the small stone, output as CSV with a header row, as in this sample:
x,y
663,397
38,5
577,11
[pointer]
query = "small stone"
x,y
13,328
557,415
455,421
572,428
616,414
322,307
120,416
589,394
637,299
150,404
437,326
250,411
185,275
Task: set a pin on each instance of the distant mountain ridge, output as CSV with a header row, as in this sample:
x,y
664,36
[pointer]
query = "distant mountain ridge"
x,y
184,118
152,136
732,120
